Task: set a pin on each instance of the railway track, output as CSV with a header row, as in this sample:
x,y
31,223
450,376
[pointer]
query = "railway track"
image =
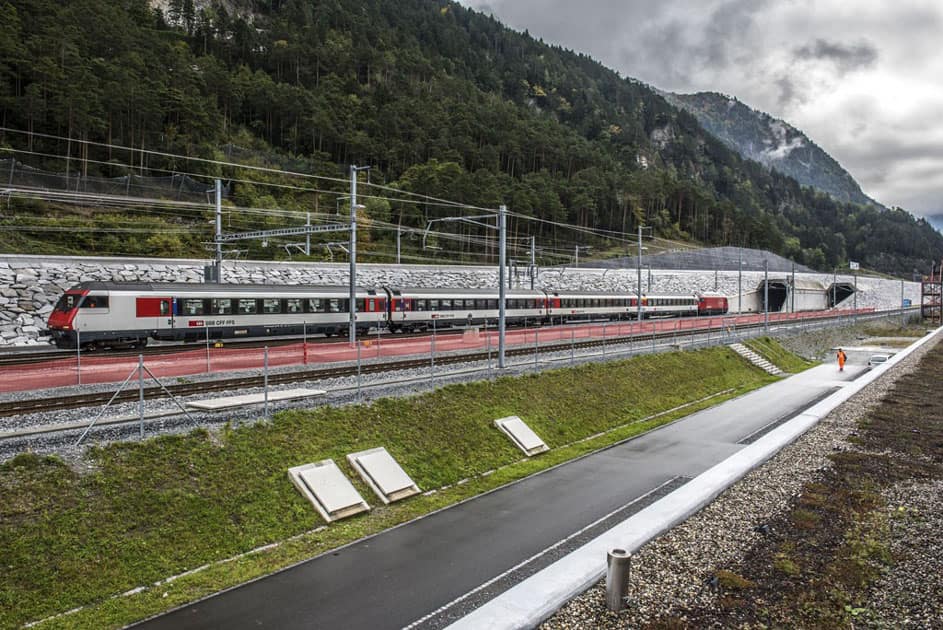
x,y
28,358
67,402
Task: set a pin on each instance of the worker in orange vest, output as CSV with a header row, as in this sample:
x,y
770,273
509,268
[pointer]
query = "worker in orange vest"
x,y
842,357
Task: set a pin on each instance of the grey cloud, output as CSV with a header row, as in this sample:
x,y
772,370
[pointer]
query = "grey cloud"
x,y
788,93
845,57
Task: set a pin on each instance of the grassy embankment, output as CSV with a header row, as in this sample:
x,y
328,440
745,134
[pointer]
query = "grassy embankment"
x,y
132,514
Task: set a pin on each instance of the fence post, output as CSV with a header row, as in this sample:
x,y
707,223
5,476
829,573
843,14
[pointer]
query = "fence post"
x,y
572,343
432,353
265,383
359,382
488,342
536,350
141,392
78,356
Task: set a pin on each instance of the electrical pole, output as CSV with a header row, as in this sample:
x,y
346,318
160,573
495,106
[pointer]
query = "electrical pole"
x,y
766,295
352,253
793,309
638,270
533,260
855,301
308,236
219,231
502,247
740,279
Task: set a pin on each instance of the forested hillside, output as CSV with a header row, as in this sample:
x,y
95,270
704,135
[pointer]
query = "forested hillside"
x,y
438,99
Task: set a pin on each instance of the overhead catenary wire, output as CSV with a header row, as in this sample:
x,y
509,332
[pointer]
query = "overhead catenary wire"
x,y
402,196
419,197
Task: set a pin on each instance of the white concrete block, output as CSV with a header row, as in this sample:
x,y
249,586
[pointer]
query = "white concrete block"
x,y
383,474
328,490
231,402
522,435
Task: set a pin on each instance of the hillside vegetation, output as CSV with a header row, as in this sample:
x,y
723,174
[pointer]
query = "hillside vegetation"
x,y
440,100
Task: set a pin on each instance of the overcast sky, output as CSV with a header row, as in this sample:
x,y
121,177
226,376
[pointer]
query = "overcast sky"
x,y
862,78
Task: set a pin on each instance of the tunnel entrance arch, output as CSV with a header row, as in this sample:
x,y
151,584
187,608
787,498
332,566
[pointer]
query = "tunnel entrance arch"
x,y
778,293
838,292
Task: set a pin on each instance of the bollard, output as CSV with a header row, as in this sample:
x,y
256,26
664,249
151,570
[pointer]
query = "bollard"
x,y
618,564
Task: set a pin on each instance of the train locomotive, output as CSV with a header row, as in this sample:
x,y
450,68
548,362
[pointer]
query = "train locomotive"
x,y
129,314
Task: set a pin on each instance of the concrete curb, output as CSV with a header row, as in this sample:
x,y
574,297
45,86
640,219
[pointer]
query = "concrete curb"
x,y
536,598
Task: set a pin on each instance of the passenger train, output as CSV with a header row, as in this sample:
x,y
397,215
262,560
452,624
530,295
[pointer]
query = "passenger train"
x,y
128,314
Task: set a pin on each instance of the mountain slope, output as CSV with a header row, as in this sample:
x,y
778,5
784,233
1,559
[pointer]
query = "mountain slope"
x,y
438,99
772,142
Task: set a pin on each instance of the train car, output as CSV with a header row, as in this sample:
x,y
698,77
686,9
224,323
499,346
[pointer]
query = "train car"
x,y
572,306
128,314
412,309
712,304
661,306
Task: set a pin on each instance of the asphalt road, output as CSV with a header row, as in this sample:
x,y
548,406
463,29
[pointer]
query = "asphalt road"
x,y
415,571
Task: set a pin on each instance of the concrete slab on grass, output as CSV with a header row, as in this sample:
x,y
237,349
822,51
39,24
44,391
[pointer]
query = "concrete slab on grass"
x,y
383,474
522,435
328,490
232,402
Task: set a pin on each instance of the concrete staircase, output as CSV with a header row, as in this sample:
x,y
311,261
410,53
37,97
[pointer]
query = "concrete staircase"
x,y
756,359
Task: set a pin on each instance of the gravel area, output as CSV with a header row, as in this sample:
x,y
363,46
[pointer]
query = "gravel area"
x,y
671,574
910,593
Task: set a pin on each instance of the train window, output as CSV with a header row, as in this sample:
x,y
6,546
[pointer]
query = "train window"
x,y
333,305
193,306
94,301
221,306
67,302
271,305
492,305
445,305
316,305
433,305
361,305
295,305
531,303
246,306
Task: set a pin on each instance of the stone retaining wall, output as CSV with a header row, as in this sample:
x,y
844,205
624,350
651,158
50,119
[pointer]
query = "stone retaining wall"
x,y
30,285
